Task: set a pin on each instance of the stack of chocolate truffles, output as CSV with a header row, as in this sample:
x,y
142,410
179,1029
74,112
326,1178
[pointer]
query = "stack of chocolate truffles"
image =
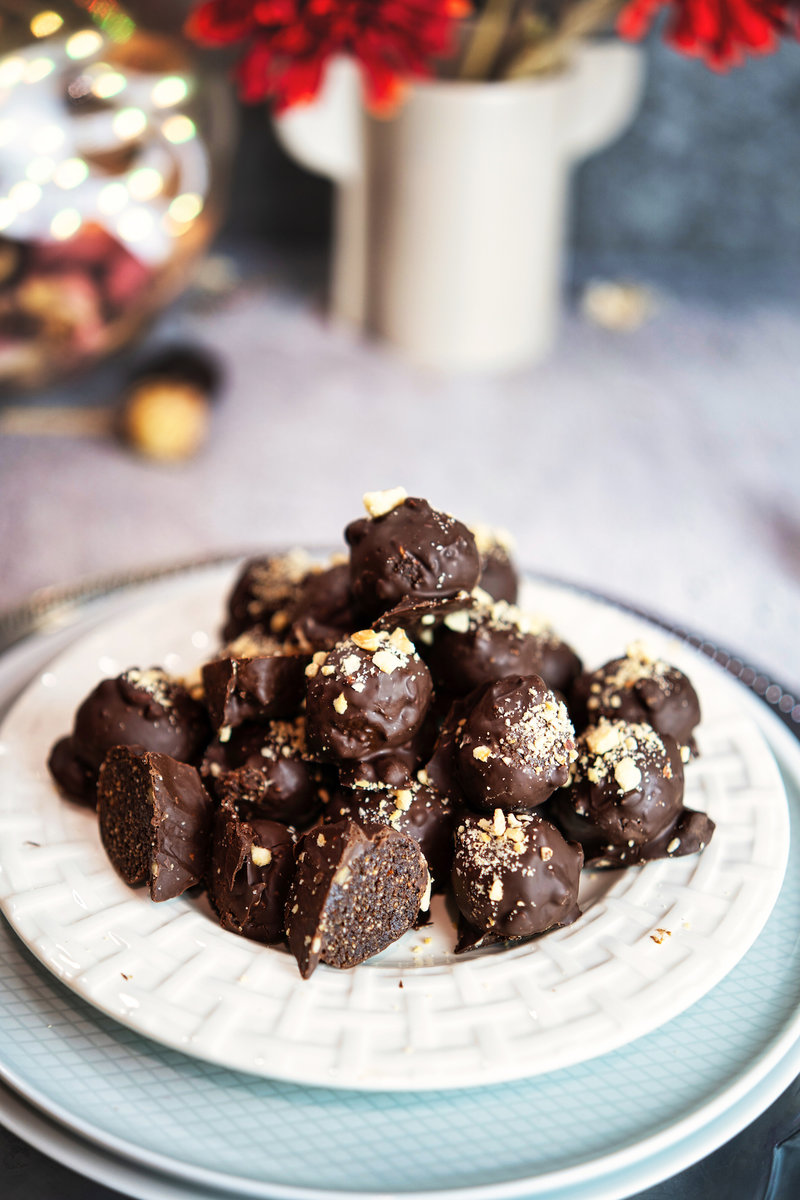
x,y
377,729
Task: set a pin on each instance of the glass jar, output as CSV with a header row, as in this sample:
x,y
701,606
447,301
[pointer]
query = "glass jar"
x,y
113,145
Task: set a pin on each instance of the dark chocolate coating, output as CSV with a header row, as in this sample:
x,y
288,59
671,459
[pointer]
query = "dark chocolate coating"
x,y
355,891
368,695
514,747
394,768
253,689
490,641
498,574
73,776
265,585
323,611
413,549
515,876
138,708
625,802
252,863
264,771
155,820
638,689
419,811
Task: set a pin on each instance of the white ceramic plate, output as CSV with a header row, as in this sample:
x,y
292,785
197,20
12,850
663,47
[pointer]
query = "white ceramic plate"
x,y
170,972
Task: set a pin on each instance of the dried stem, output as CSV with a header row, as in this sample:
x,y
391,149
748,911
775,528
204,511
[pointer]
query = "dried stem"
x,y
551,53
487,40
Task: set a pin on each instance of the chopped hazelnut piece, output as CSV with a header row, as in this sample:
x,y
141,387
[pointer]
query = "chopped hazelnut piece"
x,y
378,504
366,639
627,774
386,661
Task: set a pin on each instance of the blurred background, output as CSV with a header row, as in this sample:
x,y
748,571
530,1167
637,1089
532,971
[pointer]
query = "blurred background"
x,y
648,448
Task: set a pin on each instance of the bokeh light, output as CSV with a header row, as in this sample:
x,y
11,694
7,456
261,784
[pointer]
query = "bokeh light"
x,y
186,207
71,173
84,43
170,91
111,83
145,183
25,195
46,23
65,224
179,129
39,69
129,123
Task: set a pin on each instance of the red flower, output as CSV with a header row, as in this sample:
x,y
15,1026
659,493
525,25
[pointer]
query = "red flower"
x,y
722,32
290,41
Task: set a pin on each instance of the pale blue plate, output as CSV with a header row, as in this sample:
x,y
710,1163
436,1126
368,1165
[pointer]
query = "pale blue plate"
x,y
548,1135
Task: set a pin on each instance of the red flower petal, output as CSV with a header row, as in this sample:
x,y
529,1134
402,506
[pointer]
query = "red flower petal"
x,y
722,32
291,40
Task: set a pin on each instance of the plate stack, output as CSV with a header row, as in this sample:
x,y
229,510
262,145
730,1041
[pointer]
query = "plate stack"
x,y
153,1051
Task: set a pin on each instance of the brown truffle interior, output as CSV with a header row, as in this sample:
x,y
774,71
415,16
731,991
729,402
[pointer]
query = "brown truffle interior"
x,y
374,905
127,807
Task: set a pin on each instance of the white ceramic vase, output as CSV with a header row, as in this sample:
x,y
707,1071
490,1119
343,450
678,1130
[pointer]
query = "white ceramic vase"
x,y
449,221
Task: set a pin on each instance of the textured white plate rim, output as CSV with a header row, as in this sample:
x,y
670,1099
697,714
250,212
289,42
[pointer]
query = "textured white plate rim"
x,y
767,1076
569,1051
749,1078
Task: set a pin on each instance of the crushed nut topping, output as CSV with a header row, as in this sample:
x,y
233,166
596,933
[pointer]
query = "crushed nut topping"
x,y
488,538
623,751
378,504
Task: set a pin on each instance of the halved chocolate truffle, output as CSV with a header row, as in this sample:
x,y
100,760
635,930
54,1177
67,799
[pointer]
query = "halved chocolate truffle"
x,y
514,745
252,863
138,708
514,875
369,694
155,820
265,771
491,640
625,801
639,688
406,547
355,892
498,574
419,811
262,681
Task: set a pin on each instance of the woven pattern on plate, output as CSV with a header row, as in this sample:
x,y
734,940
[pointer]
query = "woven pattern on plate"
x,y
170,972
